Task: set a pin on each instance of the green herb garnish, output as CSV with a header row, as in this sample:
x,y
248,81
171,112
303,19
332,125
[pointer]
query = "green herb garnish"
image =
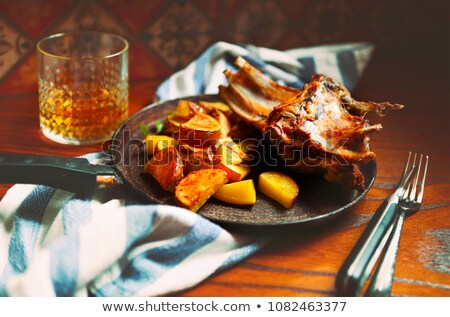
x,y
144,129
159,126
171,114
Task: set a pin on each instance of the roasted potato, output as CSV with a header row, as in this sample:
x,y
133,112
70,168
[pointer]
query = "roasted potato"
x,y
225,124
226,154
235,173
201,130
220,106
162,144
197,187
196,158
166,167
173,123
186,108
151,142
229,157
279,187
247,146
238,193
233,151
200,147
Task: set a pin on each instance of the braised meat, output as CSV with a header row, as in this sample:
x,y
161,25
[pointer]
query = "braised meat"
x,y
320,129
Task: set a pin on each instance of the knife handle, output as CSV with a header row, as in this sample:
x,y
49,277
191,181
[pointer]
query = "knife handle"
x,y
70,174
361,260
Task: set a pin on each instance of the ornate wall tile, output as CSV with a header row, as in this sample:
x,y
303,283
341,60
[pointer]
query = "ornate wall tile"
x,y
259,22
165,35
178,34
33,17
14,46
221,13
213,8
89,15
23,79
137,13
230,8
327,21
144,65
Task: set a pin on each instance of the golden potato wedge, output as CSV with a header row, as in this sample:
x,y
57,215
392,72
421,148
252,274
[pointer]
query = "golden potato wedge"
x,y
186,108
166,167
209,106
173,123
229,152
201,130
196,158
279,187
162,144
247,146
183,109
238,193
197,187
151,142
225,124
227,159
238,148
235,173
226,155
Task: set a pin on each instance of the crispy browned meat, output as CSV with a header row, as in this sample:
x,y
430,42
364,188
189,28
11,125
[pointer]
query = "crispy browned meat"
x,y
251,94
319,129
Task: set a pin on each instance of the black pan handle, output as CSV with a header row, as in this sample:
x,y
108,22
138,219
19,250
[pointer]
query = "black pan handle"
x,y
70,174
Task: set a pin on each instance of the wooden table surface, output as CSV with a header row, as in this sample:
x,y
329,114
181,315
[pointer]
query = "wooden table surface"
x,y
305,262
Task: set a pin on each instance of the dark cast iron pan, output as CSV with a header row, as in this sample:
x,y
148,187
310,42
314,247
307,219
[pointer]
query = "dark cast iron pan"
x,y
318,200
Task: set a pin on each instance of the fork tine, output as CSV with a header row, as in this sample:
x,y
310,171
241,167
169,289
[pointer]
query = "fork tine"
x,y
412,194
414,160
422,185
405,179
407,191
414,168
406,165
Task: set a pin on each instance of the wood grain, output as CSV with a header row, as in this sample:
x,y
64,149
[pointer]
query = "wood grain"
x,y
305,263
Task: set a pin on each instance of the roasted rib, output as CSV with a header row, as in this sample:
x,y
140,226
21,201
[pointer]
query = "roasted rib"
x,y
320,129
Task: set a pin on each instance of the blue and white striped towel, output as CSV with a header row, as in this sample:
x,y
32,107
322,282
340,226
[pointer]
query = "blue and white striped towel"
x,y
56,243
343,62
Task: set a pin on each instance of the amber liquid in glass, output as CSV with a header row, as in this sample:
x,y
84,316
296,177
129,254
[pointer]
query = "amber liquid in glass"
x,y
84,114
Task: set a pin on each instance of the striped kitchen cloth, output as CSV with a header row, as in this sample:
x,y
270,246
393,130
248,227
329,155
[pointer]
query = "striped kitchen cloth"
x,y
57,243
294,67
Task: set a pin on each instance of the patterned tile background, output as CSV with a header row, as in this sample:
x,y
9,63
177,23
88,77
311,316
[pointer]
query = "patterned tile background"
x,y
166,34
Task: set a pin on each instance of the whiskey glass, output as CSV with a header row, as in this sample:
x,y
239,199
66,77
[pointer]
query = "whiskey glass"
x,y
83,86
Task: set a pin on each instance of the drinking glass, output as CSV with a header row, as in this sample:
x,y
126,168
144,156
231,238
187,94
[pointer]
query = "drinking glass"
x,y
83,86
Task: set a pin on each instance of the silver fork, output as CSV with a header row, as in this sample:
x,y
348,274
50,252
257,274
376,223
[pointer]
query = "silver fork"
x,y
359,263
381,283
